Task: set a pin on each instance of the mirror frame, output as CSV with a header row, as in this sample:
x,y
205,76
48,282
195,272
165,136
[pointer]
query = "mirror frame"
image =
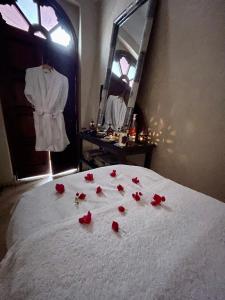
x,y
140,62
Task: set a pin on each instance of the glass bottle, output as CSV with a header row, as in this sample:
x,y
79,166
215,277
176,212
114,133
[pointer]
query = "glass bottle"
x,y
133,129
109,131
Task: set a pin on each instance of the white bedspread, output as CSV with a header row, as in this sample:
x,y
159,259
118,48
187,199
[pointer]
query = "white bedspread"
x,y
176,251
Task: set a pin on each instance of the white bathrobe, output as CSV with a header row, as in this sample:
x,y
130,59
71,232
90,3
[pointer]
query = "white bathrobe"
x,y
47,91
115,112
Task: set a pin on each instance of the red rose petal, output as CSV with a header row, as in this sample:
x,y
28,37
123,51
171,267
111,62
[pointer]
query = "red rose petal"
x,y
60,188
86,219
135,180
120,188
140,193
136,196
82,196
77,194
158,199
115,226
113,173
98,190
89,177
121,209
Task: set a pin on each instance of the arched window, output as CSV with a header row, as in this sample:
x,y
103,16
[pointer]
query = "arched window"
x,y
36,18
124,66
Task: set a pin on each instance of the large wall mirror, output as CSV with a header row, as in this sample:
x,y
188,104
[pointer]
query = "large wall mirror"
x,y
129,41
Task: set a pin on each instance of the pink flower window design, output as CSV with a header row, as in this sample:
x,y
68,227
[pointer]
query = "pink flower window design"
x,y
124,70
39,20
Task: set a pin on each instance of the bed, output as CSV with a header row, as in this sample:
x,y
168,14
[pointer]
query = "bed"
x,y
172,250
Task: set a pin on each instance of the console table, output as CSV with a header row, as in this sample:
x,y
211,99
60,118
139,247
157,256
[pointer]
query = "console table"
x,y
120,152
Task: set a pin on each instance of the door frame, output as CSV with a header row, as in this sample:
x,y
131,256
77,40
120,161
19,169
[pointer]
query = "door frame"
x,y
64,20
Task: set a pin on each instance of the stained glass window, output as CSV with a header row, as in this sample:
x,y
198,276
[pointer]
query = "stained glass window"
x,y
12,17
48,17
24,14
60,36
29,8
124,70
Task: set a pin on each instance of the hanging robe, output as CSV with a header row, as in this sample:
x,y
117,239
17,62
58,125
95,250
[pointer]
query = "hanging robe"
x,y
47,91
115,112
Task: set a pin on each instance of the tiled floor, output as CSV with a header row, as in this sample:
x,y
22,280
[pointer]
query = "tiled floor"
x,y
9,197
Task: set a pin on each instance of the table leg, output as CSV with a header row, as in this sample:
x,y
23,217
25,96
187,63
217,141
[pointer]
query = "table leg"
x,y
80,154
148,159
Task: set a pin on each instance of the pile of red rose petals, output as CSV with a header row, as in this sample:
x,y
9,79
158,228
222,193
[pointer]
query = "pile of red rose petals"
x,y
60,188
81,196
98,190
86,219
157,199
113,173
89,177
137,196
135,180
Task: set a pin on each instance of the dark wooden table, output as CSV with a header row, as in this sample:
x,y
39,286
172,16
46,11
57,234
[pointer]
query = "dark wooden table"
x,y
120,152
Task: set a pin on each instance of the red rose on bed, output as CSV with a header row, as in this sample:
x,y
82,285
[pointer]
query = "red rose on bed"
x,y
113,173
89,177
98,190
135,180
115,226
121,209
136,196
60,188
157,199
86,219
120,188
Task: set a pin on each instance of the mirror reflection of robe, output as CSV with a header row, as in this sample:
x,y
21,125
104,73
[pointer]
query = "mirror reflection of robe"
x,y
47,91
115,112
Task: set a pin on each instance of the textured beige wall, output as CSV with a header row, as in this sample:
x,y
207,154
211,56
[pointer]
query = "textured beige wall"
x,y
88,44
182,92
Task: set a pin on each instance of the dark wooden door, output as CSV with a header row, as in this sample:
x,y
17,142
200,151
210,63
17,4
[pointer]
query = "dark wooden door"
x,y
19,51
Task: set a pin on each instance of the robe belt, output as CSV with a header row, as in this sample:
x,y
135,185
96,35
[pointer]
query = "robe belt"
x,y
42,112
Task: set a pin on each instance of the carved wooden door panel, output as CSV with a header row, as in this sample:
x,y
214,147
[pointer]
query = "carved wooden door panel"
x,y
20,50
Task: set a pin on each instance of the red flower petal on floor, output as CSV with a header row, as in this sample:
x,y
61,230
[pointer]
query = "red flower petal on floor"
x,y
98,190
113,173
135,180
136,196
82,196
89,177
77,194
140,193
121,209
120,188
115,226
86,219
60,188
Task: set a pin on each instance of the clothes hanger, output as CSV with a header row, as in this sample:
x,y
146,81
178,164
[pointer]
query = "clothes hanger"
x,y
46,66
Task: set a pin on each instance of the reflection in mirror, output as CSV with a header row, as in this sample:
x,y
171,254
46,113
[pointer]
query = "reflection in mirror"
x,y
128,45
